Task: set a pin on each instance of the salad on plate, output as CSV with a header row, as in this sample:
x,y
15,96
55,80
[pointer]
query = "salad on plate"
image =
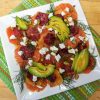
x,y
51,47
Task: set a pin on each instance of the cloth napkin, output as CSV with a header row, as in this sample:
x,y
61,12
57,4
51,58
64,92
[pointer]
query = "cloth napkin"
x,y
80,93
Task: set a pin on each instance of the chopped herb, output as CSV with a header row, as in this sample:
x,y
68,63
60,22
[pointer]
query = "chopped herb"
x,y
51,10
19,79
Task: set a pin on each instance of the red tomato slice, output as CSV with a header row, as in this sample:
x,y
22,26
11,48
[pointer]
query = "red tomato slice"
x,y
9,33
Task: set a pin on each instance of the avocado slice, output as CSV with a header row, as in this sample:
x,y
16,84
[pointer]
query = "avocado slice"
x,y
42,73
59,25
22,24
39,65
81,61
74,61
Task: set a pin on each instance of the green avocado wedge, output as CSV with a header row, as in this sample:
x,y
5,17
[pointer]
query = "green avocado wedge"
x,y
39,65
21,23
42,73
59,25
74,61
81,61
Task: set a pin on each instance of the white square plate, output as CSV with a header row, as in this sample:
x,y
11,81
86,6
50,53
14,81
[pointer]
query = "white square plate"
x,y
14,68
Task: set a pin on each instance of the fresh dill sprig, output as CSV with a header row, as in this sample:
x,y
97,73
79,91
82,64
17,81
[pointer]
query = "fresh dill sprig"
x,y
19,79
51,10
68,82
83,26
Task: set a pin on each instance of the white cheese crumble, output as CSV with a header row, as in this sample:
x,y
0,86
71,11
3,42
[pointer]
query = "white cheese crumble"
x,y
71,23
53,48
43,27
63,13
27,66
76,50
30,62
40,30
70,19
50,15
67,9
47,57
72,38
39,86
62,45
72,59
61,70
34,78
71,51
43,50
20,53
33,43
23,43
81,38
85,39
50,29
57,57
56,32
35,22
52,53
12,37
25,39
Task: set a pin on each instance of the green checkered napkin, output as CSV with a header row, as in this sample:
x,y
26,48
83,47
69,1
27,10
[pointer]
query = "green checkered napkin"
x,y
80,93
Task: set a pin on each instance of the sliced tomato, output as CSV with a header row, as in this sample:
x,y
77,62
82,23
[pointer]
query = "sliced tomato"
x,y
36,55
9,33
61,8
91,65
19,59
41,40
30,85
34,86
77,40
56,79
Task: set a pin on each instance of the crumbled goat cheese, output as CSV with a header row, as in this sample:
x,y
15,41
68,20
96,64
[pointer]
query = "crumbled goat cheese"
x,y
40,30
20,53
43,27
71,23
25,39
27,66
39,86
35,22
52,53
53,48
23,43
71,51
56,32
12,37
61,70
50,15
72,59
70,19
47,57
81,38
43,50
72,38
62,45
63,13
34,78
67,9
30,62
50,29
33,43
58,57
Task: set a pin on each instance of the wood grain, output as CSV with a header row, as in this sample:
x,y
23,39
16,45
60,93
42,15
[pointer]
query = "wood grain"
x,y
92,11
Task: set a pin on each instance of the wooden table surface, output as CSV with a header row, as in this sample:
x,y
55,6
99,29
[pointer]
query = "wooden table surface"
x,y
92,12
